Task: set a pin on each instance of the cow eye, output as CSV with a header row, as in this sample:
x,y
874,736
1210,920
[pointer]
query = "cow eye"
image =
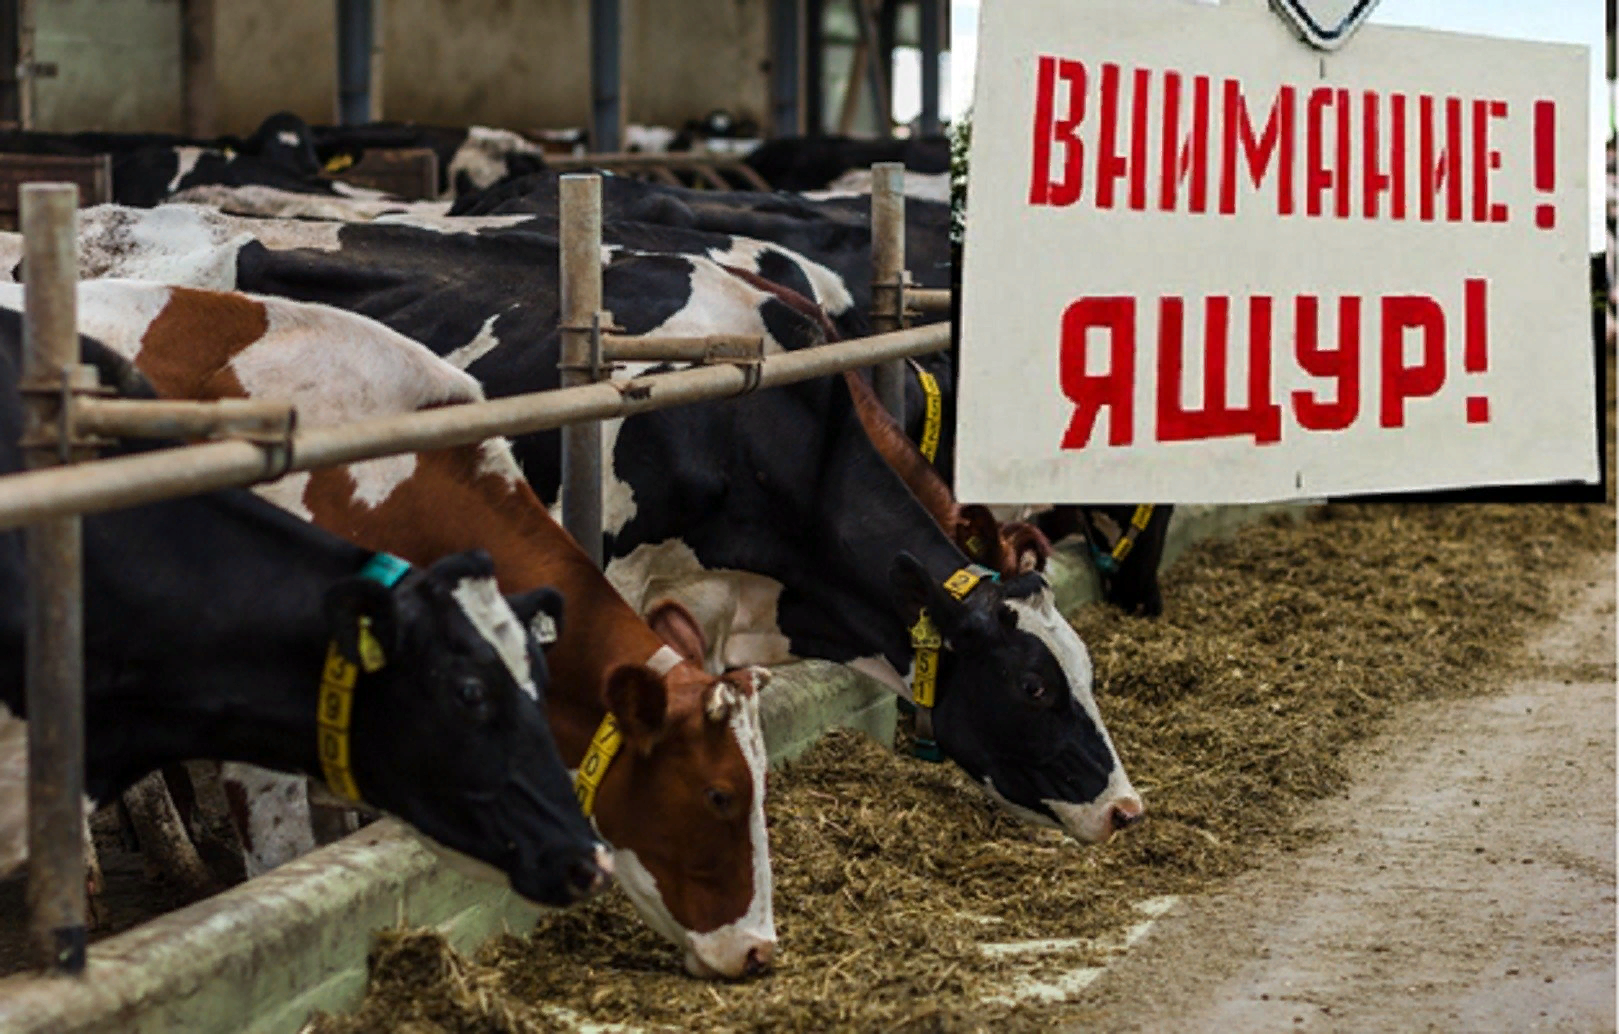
x,y
718,799
1034,688
471,692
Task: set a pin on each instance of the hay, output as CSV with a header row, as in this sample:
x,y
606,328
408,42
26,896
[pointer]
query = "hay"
x,y
1278,648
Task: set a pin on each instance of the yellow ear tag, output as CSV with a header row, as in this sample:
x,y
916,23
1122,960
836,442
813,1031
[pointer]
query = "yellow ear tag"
x,y
371,655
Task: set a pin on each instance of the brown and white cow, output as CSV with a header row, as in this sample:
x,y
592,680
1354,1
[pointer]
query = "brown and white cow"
x,y
682,802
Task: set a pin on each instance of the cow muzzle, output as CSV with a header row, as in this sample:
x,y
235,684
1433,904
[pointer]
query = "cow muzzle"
x,y
729,953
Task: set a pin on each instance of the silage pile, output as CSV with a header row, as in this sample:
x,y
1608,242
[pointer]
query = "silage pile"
x,y
1277,649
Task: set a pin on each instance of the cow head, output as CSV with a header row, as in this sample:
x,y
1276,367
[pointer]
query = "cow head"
x,y
1014,706
683,804
449,733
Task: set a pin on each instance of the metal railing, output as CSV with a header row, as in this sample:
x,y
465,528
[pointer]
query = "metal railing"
x,y
62,413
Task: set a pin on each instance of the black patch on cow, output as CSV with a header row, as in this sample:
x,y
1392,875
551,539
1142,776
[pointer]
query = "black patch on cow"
x,y
779,268
663,209
788,326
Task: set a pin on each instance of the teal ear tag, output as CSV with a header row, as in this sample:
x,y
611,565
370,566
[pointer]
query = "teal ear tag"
x,y
385,569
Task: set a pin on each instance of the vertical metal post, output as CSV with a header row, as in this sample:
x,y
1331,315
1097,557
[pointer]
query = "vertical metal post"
x,y
354,29
55,639
887,276
606,76
27,11
10,85
814,52
932,41
581,355
379,33
787,34
875,62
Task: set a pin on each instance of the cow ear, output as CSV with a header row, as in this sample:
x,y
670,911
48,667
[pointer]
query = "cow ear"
x,y
540,611
638,700
978,534
353,601
678,627
1026,546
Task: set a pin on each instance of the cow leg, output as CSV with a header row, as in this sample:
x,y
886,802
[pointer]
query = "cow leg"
x,y
165,844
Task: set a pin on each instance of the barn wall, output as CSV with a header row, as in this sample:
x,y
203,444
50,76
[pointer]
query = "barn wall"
x,y
118,65
272,57
518,64
512,63
685,59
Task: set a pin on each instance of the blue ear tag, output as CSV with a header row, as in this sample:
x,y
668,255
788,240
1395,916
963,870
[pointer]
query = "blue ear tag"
x,y
385,569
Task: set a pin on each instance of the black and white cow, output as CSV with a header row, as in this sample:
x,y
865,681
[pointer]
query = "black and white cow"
x,y
831,241
469,159
148,168
783,484
208,622
833,233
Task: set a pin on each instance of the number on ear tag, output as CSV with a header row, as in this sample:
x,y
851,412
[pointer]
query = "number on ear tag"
x,y
371,655
544,627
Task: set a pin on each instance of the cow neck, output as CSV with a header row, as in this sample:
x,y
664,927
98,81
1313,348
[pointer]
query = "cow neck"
x,y
234,678
877,518
502,515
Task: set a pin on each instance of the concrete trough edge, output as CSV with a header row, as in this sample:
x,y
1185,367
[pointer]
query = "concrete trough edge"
x,y
262,956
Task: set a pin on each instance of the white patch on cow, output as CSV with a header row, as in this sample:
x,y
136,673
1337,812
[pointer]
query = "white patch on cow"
x,y
826,287
726,949
663,661
735,609
288,493
482,344
170,244
495,457
264,202
618,497
287,137
482,156
355,192
1037,615
490,614
341,367
376,480
118,312
435,216
1093,823
189,245
723,951
649,139
187,157
277,816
